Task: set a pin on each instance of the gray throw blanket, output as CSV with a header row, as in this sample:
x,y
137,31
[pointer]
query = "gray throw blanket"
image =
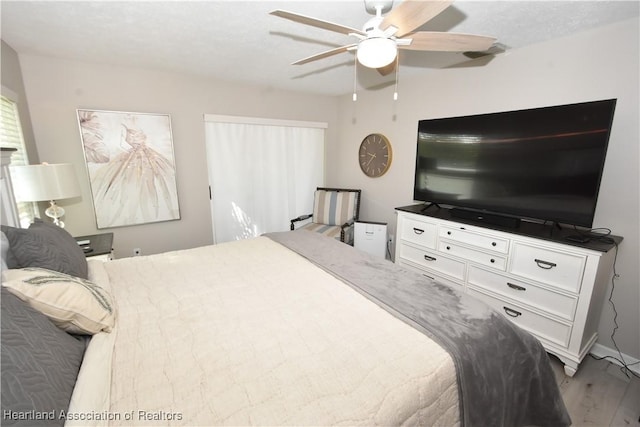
x,y
504,375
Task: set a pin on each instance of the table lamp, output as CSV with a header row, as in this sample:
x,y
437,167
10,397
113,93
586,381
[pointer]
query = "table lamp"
x,y
35,183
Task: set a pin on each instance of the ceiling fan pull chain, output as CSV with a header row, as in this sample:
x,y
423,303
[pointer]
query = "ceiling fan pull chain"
x,y
395,93
355,77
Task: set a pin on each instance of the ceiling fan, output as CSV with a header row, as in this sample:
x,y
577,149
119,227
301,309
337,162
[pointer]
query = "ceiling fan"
x,y
382,36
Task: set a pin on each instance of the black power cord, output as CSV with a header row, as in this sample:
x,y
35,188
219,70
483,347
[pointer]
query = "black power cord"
x,y
624,366
594,235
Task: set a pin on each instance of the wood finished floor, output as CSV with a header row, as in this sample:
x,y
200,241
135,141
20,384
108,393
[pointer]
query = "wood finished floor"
x,y
599,394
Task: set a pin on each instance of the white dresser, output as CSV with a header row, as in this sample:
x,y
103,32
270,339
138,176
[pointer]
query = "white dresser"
x,y
532,275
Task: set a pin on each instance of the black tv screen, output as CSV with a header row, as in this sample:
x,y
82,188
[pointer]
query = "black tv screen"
x,y
542,163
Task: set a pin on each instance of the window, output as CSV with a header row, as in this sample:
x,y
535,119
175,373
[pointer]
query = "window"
x,y
11,136
262,172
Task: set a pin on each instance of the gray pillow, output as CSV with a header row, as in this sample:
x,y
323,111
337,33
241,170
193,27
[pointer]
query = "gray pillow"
x,y
8,260
40,364
46,245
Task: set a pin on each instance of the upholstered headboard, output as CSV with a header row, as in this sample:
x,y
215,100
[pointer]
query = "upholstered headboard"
x,y
8,208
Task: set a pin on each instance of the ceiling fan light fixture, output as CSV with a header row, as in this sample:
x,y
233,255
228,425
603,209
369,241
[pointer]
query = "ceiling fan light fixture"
x,y
377,52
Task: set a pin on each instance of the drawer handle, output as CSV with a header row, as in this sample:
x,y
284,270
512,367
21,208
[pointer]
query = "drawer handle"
x,y
492,260
516,287
494,244
417,230
428,277
511,312
545,264
429,258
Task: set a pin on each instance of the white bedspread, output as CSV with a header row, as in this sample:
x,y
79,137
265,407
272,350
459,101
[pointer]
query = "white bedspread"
x,y
250,333
90,400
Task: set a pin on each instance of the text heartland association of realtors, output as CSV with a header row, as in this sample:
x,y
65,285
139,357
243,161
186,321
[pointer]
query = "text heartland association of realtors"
x,y
137,415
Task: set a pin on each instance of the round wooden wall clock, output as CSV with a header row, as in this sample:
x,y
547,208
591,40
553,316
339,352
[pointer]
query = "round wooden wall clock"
x,y
375,155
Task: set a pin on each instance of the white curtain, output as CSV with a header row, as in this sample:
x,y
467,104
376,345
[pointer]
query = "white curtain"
x,y
261,175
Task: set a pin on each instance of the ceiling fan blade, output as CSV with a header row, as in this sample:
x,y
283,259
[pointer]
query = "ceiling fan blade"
x,y
496,49
307,20
448,42
325,54
411,14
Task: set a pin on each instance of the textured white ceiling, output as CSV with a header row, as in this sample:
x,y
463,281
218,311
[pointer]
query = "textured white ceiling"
x,y
240,41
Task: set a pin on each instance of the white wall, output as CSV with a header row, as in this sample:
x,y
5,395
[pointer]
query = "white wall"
x,y
594,65
56,88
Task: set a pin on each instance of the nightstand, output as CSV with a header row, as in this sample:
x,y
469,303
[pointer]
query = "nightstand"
x,y
97,246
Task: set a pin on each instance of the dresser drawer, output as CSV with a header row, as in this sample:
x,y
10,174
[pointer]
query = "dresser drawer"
x,y
543,327
561,305
483,258
421,233
480,241
561,269
429,276
433,261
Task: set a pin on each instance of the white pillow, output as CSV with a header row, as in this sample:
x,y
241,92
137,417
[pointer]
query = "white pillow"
x,y
76,305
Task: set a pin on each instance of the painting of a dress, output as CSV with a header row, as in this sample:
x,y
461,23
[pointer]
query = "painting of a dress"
x,y
131,167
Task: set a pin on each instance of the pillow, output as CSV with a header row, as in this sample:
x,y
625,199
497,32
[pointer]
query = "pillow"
x,y
333,207
40,364
46,245
4,246
74,304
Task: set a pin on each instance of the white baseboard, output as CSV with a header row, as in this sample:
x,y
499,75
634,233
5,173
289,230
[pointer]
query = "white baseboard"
x,y
599,350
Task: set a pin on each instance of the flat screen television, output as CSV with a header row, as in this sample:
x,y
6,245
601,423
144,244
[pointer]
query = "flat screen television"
x,y
542,163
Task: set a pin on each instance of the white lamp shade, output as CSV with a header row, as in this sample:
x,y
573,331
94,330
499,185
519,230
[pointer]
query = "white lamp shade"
x,y
35,183
377,52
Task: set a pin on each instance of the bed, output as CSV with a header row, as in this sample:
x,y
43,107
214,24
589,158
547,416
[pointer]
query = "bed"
x,y
288,328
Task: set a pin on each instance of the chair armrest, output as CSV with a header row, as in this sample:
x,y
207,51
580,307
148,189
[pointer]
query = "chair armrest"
x,y
300,218
348,223
343,229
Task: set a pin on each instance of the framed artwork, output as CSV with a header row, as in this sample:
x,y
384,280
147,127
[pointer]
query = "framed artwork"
x,y
131,167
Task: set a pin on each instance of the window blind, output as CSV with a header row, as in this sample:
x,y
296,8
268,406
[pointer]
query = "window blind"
x,y
11,137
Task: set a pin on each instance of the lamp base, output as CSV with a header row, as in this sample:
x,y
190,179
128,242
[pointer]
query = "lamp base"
x,y
55,212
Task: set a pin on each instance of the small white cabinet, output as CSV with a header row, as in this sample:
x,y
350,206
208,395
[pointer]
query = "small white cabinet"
x,y
371,237
550,288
